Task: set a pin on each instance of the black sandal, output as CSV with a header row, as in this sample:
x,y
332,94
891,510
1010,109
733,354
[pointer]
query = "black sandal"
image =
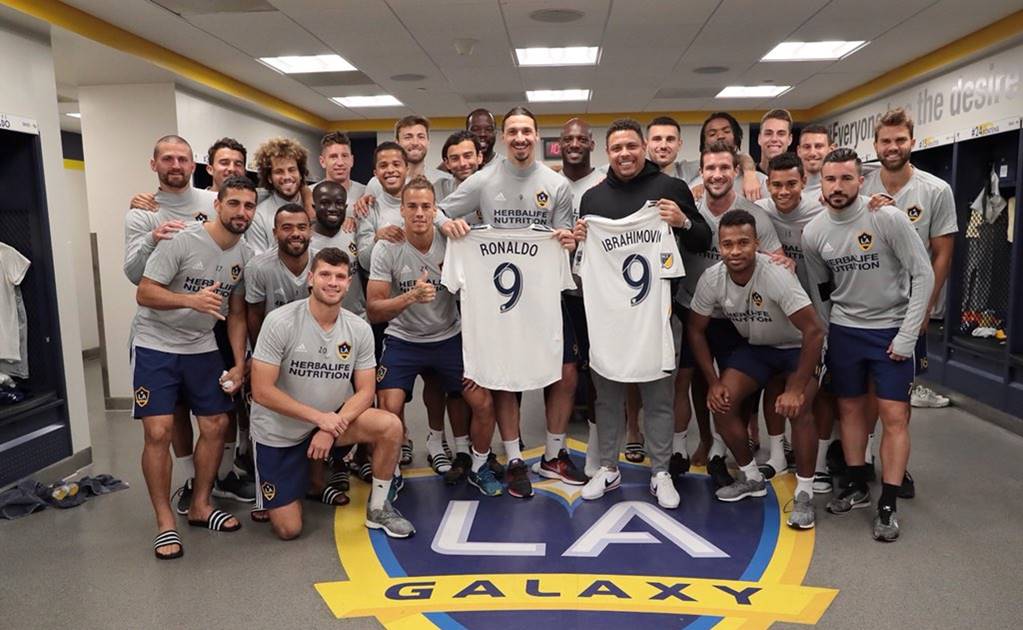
x,y
217,522
634,452
330,496
169,537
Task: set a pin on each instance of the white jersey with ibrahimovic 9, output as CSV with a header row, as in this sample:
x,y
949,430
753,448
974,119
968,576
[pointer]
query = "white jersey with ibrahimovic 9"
x,y
317,366
629,264
510,283
760,310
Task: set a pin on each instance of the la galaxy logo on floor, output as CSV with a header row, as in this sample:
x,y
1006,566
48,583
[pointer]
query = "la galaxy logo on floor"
x,y
556,560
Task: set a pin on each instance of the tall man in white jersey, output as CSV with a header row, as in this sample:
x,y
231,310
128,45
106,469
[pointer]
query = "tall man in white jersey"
x,y
282,167
927,201
783,340
516,193
312,390
874,271
814,143
188,284
424,335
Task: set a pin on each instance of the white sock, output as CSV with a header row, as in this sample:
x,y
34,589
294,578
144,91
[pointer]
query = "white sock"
x,y
479,460
717,448
678,442
186,465
434,442
777,452
804,484
462,444
378,494
869,455
511,449
822,455
751,471
555,442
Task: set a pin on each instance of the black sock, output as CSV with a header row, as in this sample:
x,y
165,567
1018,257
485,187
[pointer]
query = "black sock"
x,y
889,492
858,476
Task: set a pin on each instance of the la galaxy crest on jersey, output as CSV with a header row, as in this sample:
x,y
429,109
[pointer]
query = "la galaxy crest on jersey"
x,y
914,213
543,199
757,299
236,272
201,217
558,560
865,240
344,350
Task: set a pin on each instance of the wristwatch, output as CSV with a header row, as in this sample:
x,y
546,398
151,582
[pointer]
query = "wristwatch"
x,y
687,224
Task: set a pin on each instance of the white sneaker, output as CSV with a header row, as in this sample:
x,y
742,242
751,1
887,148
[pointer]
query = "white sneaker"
x,y
925,397
662,487
602,481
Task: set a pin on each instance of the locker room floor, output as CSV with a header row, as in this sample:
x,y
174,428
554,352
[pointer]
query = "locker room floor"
x,y
957,564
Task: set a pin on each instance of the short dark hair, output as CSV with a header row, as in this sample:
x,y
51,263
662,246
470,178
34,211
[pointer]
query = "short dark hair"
x,y
624,124
738,217
816,128
389,146
331,256
519,111
897,117
777,114
720,146
784,162
844,154
419,182
458,138
664,121
732,122
226,143
328,183
334,137
479,110
410,121
170,138
293,208
239,182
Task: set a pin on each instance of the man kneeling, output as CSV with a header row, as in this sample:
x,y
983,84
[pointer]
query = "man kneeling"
x,y
784,338
308,356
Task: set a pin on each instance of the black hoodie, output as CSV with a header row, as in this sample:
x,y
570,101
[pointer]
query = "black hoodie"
x,y
616,199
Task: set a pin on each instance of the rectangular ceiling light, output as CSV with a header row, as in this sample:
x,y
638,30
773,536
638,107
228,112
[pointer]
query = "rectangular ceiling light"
x,y
813,51
556,96
569,56
298,64
381,100
753,91
74,114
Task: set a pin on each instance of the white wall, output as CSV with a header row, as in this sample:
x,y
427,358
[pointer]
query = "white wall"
x,y
30,91
975,99
202,122
120,123
81,254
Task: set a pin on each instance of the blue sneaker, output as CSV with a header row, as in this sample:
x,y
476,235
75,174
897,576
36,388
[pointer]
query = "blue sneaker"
x,y
486,481
397,483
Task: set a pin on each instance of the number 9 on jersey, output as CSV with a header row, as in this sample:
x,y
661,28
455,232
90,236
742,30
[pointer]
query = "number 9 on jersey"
x,y
510,289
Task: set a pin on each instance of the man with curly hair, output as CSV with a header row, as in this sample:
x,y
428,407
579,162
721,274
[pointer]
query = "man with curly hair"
x,y
282,167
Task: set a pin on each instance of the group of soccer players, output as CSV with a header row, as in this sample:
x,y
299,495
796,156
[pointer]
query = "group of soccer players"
x,y
292,321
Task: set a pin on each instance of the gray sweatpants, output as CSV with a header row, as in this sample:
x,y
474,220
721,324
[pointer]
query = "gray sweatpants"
x,y
658,418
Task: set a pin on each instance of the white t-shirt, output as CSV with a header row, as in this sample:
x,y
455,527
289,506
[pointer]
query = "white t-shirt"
x,y
630,263
13,267
510,282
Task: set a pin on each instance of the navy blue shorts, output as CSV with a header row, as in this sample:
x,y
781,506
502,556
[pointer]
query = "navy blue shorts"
x,y
858,354
570,353
163,378
722,337
920,355
402,361
282,473
761,363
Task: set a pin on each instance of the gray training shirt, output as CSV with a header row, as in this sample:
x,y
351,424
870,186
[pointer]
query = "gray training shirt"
x,y
697,263
761,309
789,227
260,235
317,367
355,299
192,205
188,263
267,280
401,264
511,197
875,266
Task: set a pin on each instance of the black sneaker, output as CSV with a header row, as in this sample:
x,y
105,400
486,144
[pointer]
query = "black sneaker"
x,y
908,488
495,465
184,495
718,472
516,478
234,487
460,467
886,525
678,465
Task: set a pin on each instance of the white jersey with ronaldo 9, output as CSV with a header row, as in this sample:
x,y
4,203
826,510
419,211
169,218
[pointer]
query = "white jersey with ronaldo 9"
x,y
626,266
510,283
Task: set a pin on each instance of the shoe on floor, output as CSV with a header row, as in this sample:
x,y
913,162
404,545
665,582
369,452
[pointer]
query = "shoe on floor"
x,y
184,495
439,463
390,520
486,482
516,479
495,465
397,483
739,490
459,468
908,488
886,525
563,468
849,499
603,481
822,483
718,472
406,453
926,398
678,465
235,488
663,487
803,514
